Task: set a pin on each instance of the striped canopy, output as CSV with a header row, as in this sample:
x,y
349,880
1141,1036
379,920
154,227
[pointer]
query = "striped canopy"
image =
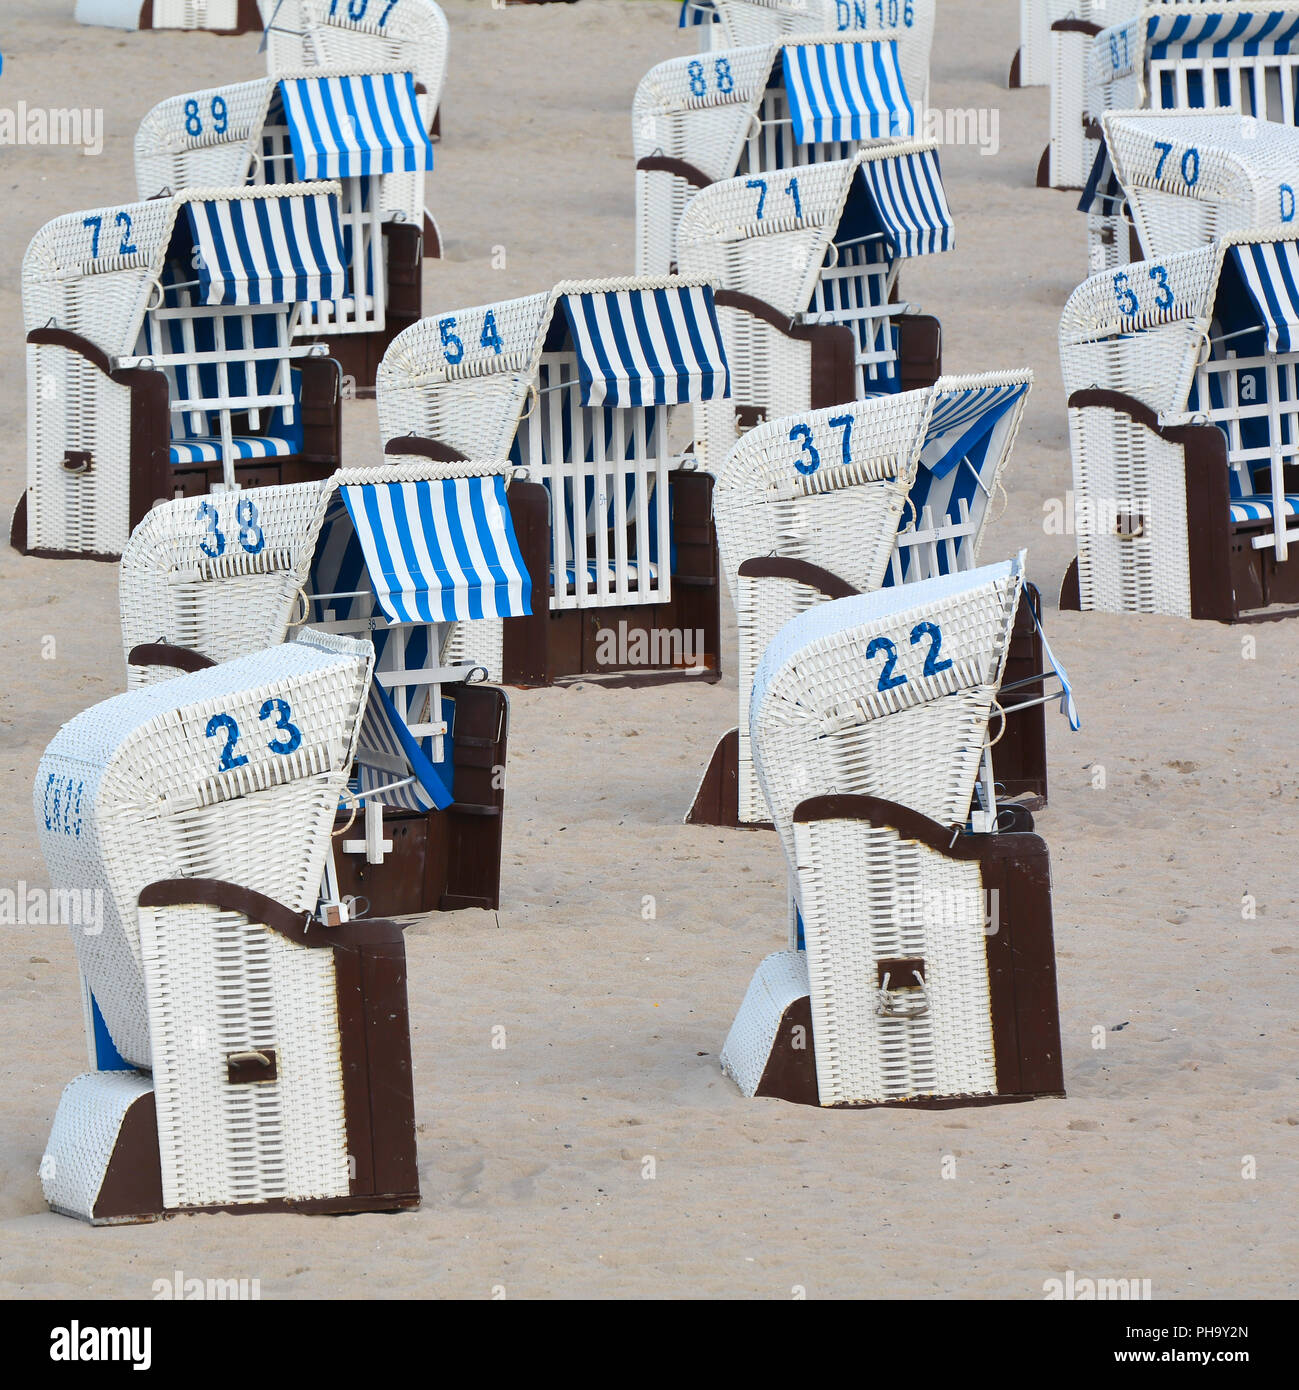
x,y
909,199
648,347
342,127
695,12
1184,34
440,550
963,419
258,250
846,91
1270,272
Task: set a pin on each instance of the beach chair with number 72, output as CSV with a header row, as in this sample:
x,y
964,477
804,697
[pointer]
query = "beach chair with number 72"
x,y
162,358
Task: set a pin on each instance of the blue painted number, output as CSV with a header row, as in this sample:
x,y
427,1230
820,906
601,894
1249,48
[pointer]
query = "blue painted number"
x,y
932,664
207,512
223,722
452,348
804,432
280,709
887,679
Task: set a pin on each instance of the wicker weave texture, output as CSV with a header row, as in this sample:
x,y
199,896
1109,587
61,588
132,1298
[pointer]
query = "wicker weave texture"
x,y
868,895
820,723
86,1125
777,983
220,985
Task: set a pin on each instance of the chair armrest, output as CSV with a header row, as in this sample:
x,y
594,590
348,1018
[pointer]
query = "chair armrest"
x,y
664,164
257,907
72,342
164,654
416,446
801,572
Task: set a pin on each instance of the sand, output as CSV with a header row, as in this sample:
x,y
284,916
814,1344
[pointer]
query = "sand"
x,y
533,1157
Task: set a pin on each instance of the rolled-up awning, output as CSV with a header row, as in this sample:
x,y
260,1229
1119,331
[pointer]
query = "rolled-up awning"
x,y
1270,272
907,191
341,127
963,419
440,550
1103,196
846,91
259,250
648,347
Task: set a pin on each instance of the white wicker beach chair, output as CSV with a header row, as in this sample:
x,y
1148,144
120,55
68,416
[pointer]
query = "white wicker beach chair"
x,y
1187,178
1183,378
265,1055
296,126
216,16
1072,29
807,273
363,36
842,501
899,984
161,357
742,22
752,110
575,388
1226,55
402,554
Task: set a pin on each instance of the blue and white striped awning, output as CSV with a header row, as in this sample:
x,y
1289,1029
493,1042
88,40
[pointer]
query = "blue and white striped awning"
x,y
963,419
342,127
846,91
696,12
648,347
1270,271
256,250
440,550
909,199
1251,30
1103,196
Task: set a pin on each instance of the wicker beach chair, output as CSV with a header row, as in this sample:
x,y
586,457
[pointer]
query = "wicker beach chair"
x,y
1182,377
1226,55
404,555
358,36
847,500
265,1056
1072,27
216,16
807,271
576,389
752,110
297,126
741,22
161,358
921,965
1182,179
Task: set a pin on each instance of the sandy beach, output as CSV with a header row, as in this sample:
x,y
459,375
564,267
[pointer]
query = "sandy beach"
x,y
625,939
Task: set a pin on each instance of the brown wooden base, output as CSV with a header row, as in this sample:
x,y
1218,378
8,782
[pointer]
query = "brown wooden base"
x,y
247,20
1020,950
442,861
629,641
374,1048
717,802
1013,81
1019,760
